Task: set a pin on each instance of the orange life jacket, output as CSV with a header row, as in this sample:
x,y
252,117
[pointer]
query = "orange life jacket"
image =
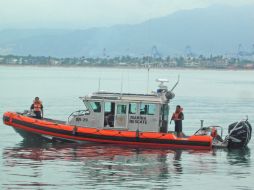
x,y
175,115
214,132
37,105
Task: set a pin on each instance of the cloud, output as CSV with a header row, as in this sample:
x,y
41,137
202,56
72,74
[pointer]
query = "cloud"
x,y
90,13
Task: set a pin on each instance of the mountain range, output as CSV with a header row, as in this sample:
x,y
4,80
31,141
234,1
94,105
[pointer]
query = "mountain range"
x,y
212,30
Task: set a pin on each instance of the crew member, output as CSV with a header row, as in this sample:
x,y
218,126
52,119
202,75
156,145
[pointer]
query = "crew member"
x,y
178,116
37,108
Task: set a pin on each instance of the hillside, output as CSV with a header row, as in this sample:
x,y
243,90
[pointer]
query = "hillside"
x,y
212,30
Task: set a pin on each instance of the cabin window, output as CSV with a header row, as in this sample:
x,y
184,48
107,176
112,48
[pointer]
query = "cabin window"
x,y
86,110
132,108
109,107
121,109
96,106
147,109
109,112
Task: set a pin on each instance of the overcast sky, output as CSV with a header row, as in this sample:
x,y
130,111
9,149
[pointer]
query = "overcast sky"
x,y
81,14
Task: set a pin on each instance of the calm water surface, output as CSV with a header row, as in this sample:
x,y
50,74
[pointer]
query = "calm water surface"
x,y
218,97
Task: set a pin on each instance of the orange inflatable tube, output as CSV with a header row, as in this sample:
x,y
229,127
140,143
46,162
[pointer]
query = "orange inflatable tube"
x,y
74,133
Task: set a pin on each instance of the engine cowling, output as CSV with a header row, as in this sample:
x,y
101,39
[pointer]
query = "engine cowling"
x,y
239,134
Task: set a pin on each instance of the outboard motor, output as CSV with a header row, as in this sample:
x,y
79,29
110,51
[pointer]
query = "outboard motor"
x,y
239,134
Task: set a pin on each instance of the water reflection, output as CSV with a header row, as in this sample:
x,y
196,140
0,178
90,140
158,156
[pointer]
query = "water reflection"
x,y
39,151
239,157
177,161
110,164
42,151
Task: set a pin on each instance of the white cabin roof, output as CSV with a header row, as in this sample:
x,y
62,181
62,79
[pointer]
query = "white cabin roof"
x,y
125,97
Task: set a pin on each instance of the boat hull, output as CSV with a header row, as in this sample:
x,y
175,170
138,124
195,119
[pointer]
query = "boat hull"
x,y
49,129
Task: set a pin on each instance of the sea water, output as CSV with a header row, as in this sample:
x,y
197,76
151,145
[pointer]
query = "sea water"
x,y
218,97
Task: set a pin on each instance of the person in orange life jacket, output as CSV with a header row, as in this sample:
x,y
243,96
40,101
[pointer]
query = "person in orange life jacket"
x,y
178,116
37,108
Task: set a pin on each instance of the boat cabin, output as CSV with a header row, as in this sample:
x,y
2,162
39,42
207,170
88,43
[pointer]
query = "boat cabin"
x,y
124,111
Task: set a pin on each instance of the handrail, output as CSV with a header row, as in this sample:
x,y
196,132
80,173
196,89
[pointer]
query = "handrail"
x,y
78,113
209,127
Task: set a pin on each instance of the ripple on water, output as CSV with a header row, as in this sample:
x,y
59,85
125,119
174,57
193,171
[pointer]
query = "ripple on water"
x,y
218,100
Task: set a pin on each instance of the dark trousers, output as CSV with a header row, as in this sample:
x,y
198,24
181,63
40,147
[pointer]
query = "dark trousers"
x,y
37,114
178,127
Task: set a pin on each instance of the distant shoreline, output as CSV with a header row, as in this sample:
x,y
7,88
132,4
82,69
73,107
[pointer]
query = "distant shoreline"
x,y
128,67
201,62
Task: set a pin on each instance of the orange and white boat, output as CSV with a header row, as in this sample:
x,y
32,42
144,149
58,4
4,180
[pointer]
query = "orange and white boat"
x,y
126,119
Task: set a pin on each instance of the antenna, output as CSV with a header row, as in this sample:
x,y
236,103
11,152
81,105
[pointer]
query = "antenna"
x,y
99,84
148,78
121,84
178,79
128,80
